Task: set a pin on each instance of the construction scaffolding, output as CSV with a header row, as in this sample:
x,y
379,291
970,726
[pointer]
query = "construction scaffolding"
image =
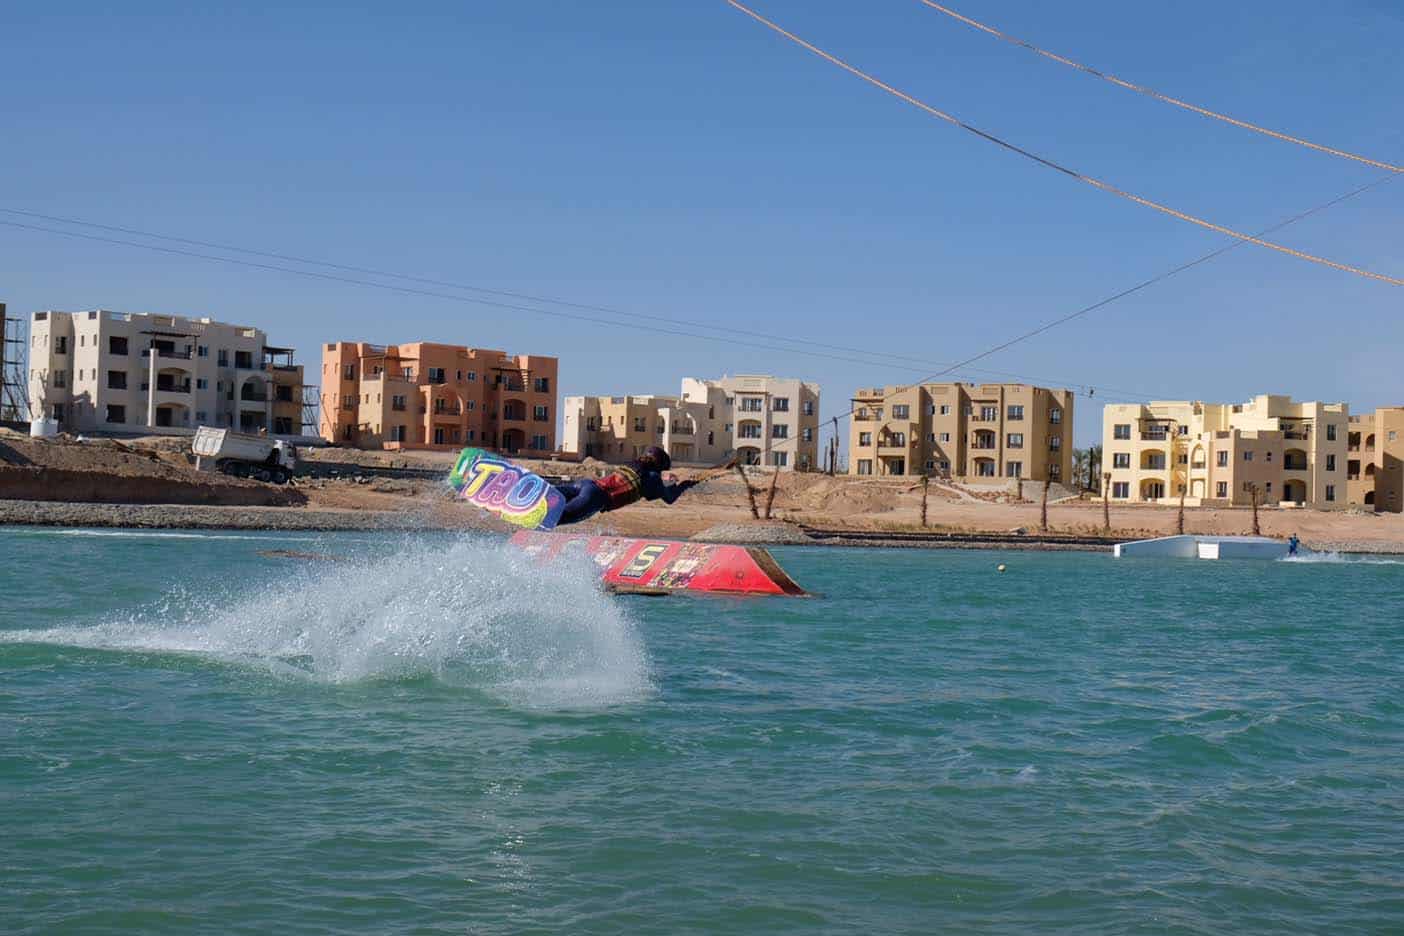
x,y
311,406
14,386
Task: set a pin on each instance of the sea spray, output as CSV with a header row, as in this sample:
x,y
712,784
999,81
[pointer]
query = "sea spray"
x,y
468,612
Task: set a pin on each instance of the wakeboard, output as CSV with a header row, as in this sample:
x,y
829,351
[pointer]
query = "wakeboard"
x,y
500,486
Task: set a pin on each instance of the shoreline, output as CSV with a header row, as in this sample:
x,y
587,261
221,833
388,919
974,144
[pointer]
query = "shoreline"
x,y
27,513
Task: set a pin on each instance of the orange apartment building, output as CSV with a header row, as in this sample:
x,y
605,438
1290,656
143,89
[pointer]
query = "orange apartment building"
x,y
437,396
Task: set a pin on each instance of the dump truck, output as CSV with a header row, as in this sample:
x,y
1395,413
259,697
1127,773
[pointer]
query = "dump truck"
x,y
243,455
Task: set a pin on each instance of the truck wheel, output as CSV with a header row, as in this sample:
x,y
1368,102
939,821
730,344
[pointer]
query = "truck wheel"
x,y
280,476
263,475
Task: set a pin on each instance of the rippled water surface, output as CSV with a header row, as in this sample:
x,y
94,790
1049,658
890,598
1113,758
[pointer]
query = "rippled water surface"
x,y
436,736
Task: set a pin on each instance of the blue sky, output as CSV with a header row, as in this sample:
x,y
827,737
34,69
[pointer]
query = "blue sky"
x,y
676,159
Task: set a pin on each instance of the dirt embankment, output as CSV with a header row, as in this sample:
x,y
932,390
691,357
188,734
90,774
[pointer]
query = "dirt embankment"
x,y
104,471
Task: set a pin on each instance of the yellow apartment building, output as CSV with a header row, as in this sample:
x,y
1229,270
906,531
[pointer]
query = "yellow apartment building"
x,y
957,430
1294,454
425,395
762,420
1375,460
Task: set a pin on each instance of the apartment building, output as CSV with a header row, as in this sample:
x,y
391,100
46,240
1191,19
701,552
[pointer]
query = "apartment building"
x,y
425,395
128,372
1375,460
1219,454
762,420
957,430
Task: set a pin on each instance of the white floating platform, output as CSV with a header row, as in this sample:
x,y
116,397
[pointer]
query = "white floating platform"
x,y
1203,547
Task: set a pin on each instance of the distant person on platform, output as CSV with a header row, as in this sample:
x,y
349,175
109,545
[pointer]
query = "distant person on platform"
x,y
1292,544
640,479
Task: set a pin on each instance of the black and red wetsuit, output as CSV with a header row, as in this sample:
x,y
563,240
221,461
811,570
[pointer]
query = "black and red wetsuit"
x,y
620,488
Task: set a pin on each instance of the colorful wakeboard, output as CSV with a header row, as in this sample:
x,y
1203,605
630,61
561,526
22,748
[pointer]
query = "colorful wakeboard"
x,y
505,488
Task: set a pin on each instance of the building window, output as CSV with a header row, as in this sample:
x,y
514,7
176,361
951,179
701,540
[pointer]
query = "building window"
x,y
1015,440
1121,490
780,405
780,459
1393,436
1222,460
349,403
1055,416
865,438
1248,455
945,466
202,351
243,360
348,372
397,434
117,345
1014,469
1330,463
1121,431
989,413
1016,412
807,407
440,437
436,375
60,379
541,385
640,424
779,431
1330,492
945,409
897,438
1330,432
61,344
750,430
539,443
807,434
540,413
1121,459
900,411
1055,442
752,405
223,357
202,383
116,380
590,424
116,413
1267,457
1055,471
1221,489
930,465
472,404
472,375
943,437
865,466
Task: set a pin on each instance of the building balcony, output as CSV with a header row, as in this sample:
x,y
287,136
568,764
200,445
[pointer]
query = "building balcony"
x,y
1295,466
162,353
899,451
683,430
1299,435
253,396
447,413
167,387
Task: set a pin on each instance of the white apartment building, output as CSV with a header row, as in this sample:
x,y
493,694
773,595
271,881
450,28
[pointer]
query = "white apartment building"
x,y
760,419
124,372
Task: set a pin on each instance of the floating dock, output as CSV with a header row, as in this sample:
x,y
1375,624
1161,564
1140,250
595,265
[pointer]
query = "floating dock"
x,y
667,567
1203,547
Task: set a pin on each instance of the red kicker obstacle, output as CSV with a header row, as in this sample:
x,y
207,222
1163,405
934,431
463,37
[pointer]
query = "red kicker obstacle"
x,y
664,567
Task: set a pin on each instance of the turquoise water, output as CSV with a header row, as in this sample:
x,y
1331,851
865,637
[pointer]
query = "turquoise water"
x,y
437,737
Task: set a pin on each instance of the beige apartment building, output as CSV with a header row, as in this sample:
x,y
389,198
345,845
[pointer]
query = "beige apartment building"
x,y
126,372
424,395
1375,460
957,430
761,420
1218,454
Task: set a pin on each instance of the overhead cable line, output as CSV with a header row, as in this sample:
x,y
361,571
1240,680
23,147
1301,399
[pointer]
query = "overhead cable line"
x,y
1144,284
1141,89
1072,173
912,363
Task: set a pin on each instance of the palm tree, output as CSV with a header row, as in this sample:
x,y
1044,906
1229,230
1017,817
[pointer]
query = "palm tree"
x,y
1094,466
1080,462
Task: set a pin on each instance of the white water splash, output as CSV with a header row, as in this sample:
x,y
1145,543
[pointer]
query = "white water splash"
x,y
471,613
1347,558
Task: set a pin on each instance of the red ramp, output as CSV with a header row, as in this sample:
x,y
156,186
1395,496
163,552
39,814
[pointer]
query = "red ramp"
x,y
664,567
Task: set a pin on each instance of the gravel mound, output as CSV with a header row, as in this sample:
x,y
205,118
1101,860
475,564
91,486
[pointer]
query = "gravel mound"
x,y
760,533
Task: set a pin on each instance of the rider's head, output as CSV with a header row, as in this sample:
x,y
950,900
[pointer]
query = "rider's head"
x,y
655,459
